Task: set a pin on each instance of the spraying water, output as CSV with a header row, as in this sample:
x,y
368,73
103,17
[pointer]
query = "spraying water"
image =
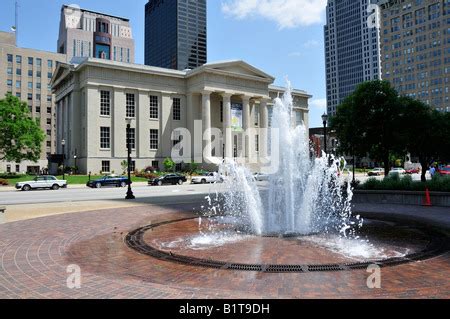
x,y
304,195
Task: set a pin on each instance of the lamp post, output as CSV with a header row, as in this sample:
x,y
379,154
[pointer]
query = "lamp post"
x,y
325,120
63,144
129,191
75,163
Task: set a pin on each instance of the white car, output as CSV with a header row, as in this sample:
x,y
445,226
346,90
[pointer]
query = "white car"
x,y
397,170
207,178
41,182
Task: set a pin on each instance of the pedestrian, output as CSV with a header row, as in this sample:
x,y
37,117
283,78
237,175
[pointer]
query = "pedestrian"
x,y
432,171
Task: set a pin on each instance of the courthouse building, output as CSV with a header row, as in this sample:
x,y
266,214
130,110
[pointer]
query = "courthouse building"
x,y
96,99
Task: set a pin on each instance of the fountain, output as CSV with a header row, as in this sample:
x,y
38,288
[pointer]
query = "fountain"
x,y
303,195
300,220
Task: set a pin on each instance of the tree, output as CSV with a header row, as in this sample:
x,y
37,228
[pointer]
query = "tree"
x,y
366,122
169,164
21,136
124,165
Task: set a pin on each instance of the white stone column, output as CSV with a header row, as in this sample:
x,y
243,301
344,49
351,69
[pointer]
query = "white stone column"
x,y
206,118
264,125
227,133
247,124
190,120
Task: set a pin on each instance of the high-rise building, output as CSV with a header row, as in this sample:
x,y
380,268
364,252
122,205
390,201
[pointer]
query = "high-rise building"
x,y
416,49
175,34
352,49
84,33
27,73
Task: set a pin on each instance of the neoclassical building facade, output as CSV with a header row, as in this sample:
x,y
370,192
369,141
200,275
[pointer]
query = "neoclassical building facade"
x,y
96,99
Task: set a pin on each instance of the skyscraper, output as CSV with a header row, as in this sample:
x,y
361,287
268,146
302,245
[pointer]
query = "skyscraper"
x,y
84,33
175,34
352,48
416,49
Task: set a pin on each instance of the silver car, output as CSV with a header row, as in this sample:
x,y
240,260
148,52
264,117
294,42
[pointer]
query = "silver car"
x,y
42,182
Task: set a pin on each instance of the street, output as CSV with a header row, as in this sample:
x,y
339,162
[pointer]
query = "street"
x,y
14,197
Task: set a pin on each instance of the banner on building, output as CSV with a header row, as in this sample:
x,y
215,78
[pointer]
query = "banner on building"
x,y
236,117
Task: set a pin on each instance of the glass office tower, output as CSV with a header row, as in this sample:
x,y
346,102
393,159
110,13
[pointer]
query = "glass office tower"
x,y
175,33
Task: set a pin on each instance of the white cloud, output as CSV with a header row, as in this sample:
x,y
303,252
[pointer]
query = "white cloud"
x,y
286,13
311,44
320,104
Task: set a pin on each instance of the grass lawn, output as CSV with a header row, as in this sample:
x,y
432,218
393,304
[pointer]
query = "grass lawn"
x,y
71,179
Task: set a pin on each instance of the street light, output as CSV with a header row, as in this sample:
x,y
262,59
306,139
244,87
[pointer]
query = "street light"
x,y
63,143
129,192
75,164
325,120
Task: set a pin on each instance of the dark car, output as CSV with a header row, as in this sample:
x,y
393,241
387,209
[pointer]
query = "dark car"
x,y
171,179
444,171
108,181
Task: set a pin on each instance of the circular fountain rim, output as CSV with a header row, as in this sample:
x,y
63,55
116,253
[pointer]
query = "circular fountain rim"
x,y
135,240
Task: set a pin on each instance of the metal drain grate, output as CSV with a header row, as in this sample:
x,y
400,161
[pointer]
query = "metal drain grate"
x,y
135,240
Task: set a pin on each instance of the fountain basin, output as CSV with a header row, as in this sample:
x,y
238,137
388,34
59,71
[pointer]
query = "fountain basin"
x,y
389,244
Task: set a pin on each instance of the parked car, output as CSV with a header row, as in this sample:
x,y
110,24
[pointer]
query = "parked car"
x,y
108,181
377,171
444,171
412,171
261,177
397,170
42,182
207,178
171,179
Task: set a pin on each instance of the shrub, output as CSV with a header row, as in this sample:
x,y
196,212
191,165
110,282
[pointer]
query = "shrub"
x,y
3,182
169,164
437,184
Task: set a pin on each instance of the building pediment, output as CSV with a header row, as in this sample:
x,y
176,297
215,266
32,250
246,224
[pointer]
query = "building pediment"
x,y
62,70
238,69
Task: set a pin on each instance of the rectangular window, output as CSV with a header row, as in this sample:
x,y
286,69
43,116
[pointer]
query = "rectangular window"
x,y
154,139
30,61
17,168
49,132
49,121
256,143
177,109
39,62
49,98
10,71
106,166
19,72
49,110
18,59
155,164
19,95
30,85
176,140
133,166
105,137
154,107
30,72
38,85
38,109
9,82
49,144
298,118
131,138
128,55
30,96
8,169
130,105
10,58
49,75
105,103
221,111
18,84
256,112
38,74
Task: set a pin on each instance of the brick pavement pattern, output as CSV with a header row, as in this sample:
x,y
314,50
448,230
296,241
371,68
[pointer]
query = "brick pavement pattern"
x,y
35,255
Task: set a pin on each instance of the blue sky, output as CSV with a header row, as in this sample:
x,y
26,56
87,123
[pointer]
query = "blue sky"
x,y
282,37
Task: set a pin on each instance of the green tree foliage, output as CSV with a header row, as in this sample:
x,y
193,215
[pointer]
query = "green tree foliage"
x,y
374,120
169,164
366,122
21,136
